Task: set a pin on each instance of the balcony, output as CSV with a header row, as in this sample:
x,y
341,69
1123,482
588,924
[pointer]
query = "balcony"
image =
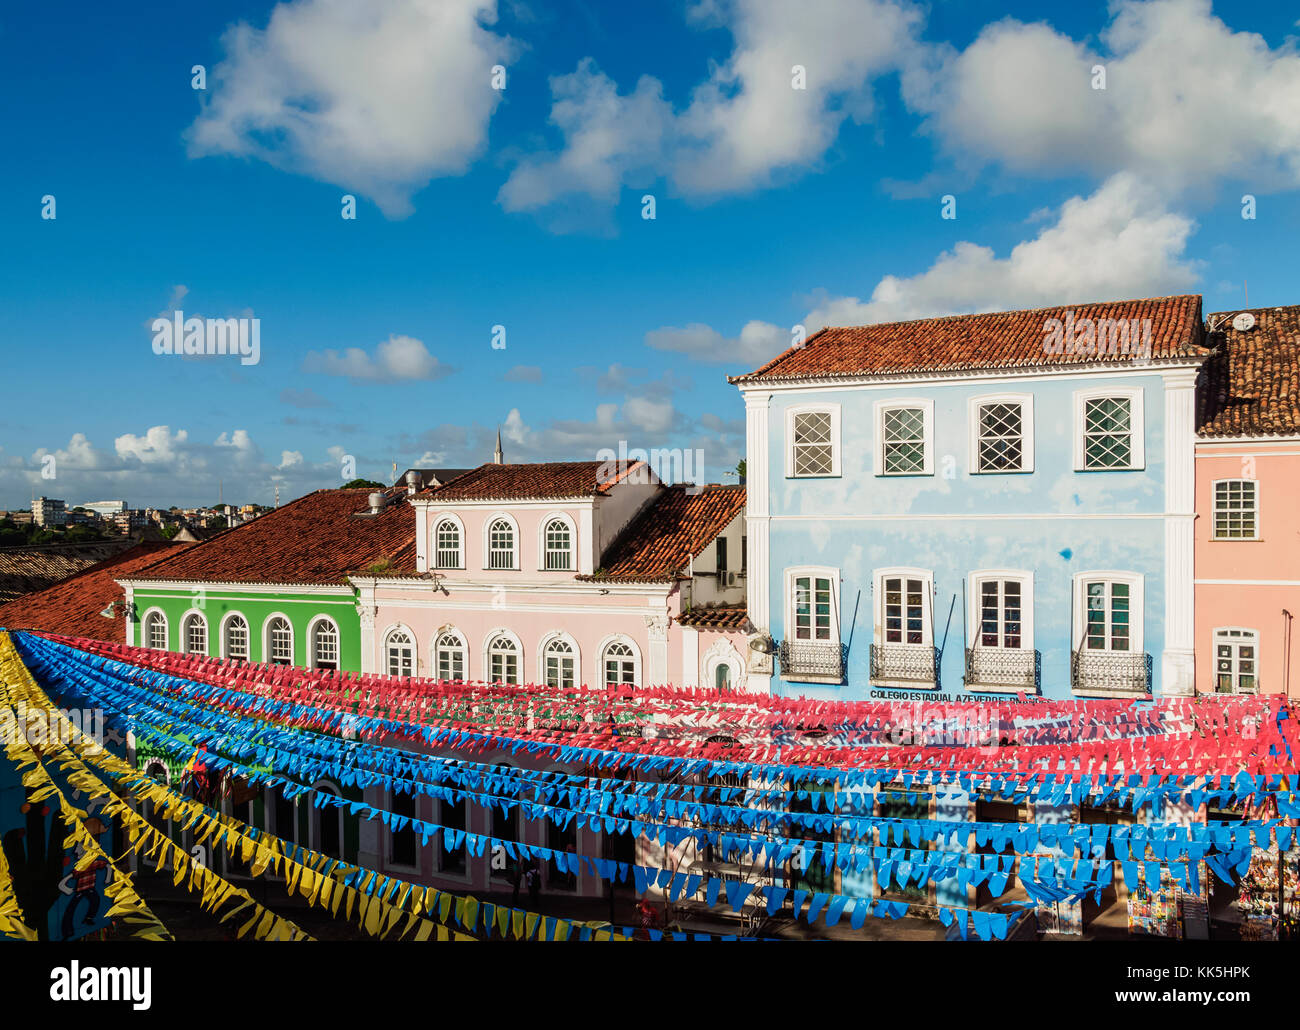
x,y
905,665
806,661
1110,673
1002,670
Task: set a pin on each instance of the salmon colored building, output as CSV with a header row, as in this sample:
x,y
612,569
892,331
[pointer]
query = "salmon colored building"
x,y
1248,504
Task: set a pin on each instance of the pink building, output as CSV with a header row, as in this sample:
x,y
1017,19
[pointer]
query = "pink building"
x,y
1248,504
565,573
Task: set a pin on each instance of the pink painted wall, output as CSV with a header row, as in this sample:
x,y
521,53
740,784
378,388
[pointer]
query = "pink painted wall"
x,y
1256,579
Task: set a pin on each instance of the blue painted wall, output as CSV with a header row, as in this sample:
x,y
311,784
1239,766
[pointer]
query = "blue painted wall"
x,y
1045,524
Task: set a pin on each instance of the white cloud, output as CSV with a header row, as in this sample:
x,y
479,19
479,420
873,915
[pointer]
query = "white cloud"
x,y
1118,243
650,416
757,342
397,358
158,445
1188,100
745,124
378,98
162,466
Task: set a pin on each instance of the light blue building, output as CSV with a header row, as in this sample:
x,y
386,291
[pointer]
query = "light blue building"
x,y
978,505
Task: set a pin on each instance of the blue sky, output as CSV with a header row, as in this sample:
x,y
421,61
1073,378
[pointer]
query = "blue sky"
x,y
522,207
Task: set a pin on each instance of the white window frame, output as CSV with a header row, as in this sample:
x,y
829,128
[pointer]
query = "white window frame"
x,y
461,644
488,523
880,408
488,651
186,619
1247,635
1137,427
1137,605
438,521
1026,402
557,516
224,642
312,657
973,622
165,627
1214,508
574,652
812,573
387,639
926,576
635,658
266,636
836,449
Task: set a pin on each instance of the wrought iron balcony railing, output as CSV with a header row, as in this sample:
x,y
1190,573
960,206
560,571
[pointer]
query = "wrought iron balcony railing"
x,y
1110,672
906,663
1001,668
805,660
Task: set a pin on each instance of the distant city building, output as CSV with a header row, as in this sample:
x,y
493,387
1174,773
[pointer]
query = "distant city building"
x,y
105,508
47,511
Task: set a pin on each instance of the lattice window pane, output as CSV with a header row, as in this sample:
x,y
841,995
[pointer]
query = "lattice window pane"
x,y
1001,443
237,639
904,440
501,545
814,451
1108,440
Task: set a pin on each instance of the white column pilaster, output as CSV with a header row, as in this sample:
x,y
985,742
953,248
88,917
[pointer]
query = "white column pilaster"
x,y
1178,663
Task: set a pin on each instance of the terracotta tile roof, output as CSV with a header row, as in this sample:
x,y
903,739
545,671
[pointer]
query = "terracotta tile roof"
x,y
553,480
318,539
24,570
659,543
718,616
1251,384
73,606
996,340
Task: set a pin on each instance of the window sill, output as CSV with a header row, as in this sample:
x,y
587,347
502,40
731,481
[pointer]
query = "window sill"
x,y
1237,540
1001,472
999,688
793,677
903,475
1117,468
896,684
814,475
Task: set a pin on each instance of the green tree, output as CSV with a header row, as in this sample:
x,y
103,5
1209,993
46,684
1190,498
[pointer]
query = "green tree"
x,y
369,483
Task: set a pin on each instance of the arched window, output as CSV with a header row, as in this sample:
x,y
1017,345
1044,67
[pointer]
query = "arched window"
x,y
558,545
279,641
503,660
399,652
155,631
618,666
446,545
558,663
449,656
194,634
325,645
328,818
501,545
235,644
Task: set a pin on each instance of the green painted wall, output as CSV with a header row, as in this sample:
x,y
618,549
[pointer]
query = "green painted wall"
x,y
216,602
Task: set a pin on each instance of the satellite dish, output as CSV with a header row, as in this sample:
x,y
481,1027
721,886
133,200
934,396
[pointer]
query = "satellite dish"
x,y
1244,322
